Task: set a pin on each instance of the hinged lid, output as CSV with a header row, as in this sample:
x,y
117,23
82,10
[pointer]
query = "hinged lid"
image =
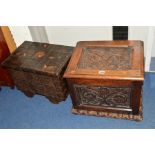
x,y
40,58
107,60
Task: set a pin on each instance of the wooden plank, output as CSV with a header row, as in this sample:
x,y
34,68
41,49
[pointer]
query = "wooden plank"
x,y
9,38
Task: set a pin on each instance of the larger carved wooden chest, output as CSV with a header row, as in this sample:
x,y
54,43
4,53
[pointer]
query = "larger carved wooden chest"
x,y
37,68
105,78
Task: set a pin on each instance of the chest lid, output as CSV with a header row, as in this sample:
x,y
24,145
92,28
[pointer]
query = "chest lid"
x,y
40,58
107,60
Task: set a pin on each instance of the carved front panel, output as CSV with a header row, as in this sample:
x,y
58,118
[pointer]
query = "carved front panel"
x,y
51,87
117,97
106,58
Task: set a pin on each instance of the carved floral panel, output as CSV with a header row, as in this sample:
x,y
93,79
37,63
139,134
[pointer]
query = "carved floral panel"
x,y
117,97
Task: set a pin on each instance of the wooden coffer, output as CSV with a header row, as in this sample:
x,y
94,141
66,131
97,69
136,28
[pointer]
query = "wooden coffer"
x,y
105,78
38,68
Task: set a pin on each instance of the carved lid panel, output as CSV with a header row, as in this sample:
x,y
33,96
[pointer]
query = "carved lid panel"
x,y
107,60
39,57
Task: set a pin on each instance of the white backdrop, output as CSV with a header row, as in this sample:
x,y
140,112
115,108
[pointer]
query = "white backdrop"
x,y
69,35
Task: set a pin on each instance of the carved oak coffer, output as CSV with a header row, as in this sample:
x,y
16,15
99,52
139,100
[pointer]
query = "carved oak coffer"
x,y
37,68
105,78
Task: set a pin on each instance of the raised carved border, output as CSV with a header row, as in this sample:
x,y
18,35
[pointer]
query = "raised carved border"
x,y
138,117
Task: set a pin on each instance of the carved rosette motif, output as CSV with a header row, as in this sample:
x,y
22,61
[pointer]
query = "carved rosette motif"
x,y
103,96
106,58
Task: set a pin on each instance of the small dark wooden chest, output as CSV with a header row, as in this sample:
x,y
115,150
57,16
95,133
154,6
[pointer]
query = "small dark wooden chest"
x,y
37,68
105,78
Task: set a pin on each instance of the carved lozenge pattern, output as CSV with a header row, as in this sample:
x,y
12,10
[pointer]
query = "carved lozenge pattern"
x,y
103,96
106,58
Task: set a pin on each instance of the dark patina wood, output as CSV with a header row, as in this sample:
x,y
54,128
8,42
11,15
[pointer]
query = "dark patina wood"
x,y
105,78
37,68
